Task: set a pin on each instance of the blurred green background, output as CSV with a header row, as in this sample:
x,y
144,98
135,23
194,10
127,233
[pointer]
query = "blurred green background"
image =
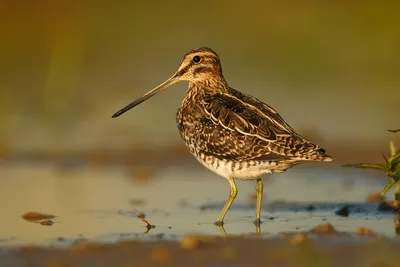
x,y
331,68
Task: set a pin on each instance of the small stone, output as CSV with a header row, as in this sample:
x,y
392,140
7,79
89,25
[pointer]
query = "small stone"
x,y
310,207
395,204
37,216
190,242
344,211
299,239
365,231
384,206
324,228
47,223
193,241
375,197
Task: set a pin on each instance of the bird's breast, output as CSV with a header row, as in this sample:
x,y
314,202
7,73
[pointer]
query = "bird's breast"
x,y
189,118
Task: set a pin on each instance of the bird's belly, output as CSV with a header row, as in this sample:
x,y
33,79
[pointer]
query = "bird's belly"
x,y
248,170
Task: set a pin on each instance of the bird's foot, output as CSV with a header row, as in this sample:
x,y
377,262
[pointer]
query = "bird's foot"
x,y
219,223
257,222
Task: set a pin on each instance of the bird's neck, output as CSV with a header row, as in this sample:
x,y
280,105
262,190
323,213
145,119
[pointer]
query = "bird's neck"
x,y
208,87
201,89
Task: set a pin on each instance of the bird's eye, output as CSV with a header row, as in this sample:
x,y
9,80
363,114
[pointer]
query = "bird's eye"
x,y
196,59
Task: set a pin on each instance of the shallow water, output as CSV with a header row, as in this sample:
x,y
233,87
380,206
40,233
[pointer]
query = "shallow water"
x,y
97,203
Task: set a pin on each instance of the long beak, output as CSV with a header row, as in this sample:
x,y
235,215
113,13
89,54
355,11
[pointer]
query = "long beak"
x,y
161,87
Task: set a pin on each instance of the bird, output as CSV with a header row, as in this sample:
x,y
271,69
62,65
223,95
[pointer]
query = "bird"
x,y
233,134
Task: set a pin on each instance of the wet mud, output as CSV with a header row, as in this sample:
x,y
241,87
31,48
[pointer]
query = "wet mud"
x,y
92,217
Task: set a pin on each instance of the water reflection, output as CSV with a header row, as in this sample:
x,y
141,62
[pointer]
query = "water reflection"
x,y
95,204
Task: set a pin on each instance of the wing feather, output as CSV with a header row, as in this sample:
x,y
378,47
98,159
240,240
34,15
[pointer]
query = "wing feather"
x,y
236,115
248,116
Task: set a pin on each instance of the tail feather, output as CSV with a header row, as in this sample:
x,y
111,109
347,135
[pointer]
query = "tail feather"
x,y
315,155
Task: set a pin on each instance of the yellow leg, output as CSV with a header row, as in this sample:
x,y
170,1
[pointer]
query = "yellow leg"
x,y
222,230
259,191
232,196
258,229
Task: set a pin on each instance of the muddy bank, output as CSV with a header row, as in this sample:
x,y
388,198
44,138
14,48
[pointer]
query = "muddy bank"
x,y
320,250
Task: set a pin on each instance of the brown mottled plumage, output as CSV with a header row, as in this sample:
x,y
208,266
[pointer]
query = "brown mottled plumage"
x,y
231,133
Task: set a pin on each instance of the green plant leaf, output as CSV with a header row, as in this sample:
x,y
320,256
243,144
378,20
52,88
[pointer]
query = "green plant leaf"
x,y
393,149
395,160
388,186
397,191
386,160
393,165
367,166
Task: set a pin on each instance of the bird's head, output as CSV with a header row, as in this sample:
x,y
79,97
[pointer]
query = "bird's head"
x,y
199,66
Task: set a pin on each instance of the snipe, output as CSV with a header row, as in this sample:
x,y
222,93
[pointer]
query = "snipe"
x,y
233,134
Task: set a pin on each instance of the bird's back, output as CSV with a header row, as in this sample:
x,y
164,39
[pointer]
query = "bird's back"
x,y
229,126
282,138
